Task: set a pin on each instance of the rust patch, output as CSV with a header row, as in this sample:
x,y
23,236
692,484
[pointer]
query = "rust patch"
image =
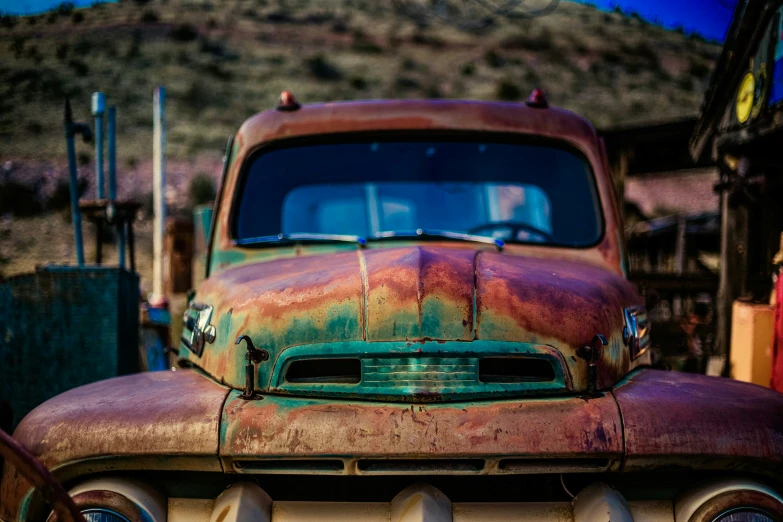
x,y
553,427
146,414
675,418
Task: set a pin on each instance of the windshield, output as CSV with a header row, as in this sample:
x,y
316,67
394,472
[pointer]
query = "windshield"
x,y
517,193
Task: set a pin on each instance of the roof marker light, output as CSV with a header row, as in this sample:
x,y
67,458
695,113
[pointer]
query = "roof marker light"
x,y
537,99
288,102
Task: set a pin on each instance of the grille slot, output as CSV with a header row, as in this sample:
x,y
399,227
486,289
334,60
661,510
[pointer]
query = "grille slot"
x,y
515,370
420,465
419,372
283,465
554,465
340,371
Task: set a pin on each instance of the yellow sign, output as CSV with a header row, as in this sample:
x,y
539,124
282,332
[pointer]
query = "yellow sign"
x,y
744,102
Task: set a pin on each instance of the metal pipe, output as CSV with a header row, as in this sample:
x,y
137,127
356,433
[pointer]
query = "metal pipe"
x,y
158,189
76,215
121,243
98,108
111,136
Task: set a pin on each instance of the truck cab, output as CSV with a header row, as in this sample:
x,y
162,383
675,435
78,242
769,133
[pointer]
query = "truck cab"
x,y
413,310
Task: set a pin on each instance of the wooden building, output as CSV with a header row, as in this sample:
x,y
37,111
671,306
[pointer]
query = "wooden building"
x,y
741,130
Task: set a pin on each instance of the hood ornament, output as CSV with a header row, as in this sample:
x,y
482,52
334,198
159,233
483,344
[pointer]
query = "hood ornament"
x,y
591,354
253,355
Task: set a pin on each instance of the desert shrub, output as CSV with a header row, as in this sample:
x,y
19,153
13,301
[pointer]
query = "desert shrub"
x,y
196,96
215,69
339,27
134,49
62,51
83,47
141,3
362,44
468,69
406,82
65,9
539,42
34,127
493,59
183,33
686,83
60,198
700,69
422,38
150,16
79,67
320,67
17,46
77,17
433,91
409,64
212,23
32,20
201,189
611,56
8,21
358,83
508,91
279,17
18,199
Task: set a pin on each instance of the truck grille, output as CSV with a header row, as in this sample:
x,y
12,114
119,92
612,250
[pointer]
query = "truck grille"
x,y
420,372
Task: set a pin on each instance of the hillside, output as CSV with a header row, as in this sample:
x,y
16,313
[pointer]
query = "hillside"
x,y
225,60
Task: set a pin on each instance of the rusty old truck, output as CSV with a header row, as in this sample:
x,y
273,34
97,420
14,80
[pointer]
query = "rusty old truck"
x,y
414,310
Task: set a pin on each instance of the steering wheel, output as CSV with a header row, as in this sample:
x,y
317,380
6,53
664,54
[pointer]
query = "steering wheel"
x,y
36,473
516,227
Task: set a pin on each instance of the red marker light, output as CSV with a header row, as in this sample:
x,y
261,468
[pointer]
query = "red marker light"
x,y
537,99
288,102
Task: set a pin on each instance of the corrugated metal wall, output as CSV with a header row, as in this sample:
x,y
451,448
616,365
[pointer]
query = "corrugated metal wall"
x,y
62,327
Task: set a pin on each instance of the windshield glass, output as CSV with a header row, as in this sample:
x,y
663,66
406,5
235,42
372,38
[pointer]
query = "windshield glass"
x,y
513,192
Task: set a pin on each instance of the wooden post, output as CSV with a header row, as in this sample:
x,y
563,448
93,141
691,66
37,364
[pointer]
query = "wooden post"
x,y
733,266
158,191
620,171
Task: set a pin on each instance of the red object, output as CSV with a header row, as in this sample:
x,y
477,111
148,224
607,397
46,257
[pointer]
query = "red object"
x,y
537,99
288,102
776,383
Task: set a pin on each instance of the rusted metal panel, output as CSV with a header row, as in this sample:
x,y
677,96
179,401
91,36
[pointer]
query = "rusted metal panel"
x,y
161,415
441,115
53,338
417,293
559,303
698,421
306,428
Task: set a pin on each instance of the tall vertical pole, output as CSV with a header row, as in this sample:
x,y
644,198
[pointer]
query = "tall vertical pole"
x,y
76,215
111,138
159,189
98,108
111,145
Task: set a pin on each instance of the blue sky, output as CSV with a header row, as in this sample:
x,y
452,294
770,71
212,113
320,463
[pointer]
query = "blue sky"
x,y
708,17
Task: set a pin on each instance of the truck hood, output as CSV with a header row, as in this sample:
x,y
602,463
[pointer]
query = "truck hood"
x,y
422,305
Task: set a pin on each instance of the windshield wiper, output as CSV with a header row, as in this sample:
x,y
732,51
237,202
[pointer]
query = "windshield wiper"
x,y
302,237
447,234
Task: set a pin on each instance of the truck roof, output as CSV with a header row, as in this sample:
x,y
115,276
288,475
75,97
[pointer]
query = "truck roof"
x,y
390,115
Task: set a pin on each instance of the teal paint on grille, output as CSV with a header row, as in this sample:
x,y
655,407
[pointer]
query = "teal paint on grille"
x,y
404,371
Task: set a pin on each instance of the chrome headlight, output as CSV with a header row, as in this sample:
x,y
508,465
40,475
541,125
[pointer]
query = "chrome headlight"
x,y
732,500
745,515
111,499
102,515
